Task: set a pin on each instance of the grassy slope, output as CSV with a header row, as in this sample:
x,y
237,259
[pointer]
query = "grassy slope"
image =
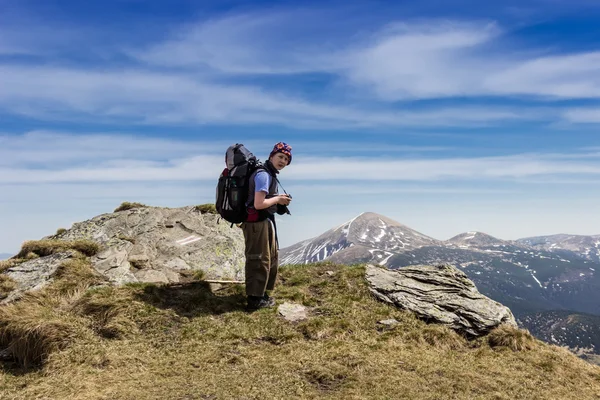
x,y
186,342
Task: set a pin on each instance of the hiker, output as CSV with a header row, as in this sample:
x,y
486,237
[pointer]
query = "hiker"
x,y
260,230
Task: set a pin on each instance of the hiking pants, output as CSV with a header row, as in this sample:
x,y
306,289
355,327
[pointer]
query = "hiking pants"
x,y
262,259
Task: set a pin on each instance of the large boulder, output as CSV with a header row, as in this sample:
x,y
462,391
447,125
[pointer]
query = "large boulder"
x,y
441,294
156,244
144,244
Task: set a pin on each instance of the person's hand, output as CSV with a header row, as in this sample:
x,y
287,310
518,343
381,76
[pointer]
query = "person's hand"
x,y
283,199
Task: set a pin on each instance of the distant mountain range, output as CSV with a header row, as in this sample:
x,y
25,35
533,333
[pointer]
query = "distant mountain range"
x,y
5,256
540,278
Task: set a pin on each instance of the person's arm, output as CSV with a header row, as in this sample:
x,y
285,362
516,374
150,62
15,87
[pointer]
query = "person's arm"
x,y
261,202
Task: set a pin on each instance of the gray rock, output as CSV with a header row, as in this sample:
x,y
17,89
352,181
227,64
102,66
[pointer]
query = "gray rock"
x,y
34,274
441,294
388,322
148,244
292,312
162,245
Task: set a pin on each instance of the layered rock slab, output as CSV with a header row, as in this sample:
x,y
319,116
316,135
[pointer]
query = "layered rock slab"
x,y
441,294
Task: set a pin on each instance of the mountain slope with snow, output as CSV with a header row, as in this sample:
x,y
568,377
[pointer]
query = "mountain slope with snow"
x,y
586,246
367,237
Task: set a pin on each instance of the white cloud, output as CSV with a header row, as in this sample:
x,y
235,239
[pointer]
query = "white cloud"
x,y
142,97
49,157
437,195
402,60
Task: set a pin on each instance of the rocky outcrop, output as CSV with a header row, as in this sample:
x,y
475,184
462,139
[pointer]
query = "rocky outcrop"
x,y
155,244
441,294
34,274
146,244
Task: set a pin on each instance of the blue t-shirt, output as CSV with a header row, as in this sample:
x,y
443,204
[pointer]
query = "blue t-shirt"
x,y
262,180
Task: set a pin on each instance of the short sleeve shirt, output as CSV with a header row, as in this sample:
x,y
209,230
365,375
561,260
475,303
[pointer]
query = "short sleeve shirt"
x,y
262,180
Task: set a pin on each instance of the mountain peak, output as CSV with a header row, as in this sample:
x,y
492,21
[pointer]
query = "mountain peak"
x,y
365,234
474,238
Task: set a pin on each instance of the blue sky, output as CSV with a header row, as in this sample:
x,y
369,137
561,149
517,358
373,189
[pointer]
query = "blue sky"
x,y
448,116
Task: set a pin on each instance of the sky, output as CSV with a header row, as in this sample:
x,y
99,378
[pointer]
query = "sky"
x,y
447,116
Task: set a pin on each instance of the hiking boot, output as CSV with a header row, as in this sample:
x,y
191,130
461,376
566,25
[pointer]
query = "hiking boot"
x,y
256,303
269,300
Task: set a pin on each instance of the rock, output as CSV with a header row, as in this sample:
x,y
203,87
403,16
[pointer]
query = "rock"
x,y
292,312
388,322
441,294
162,245
34,274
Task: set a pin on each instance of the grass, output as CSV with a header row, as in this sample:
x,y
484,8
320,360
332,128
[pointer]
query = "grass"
x,y
128,206
206,208
7,285
46,247
143,341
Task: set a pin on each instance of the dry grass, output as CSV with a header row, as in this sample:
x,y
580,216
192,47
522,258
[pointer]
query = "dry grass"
x,y
46,247
187,342
206,208
512,338
6,264
7,285
37,326
128,206
60,231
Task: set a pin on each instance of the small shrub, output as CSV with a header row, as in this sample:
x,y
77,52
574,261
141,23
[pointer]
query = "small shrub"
x,y
48,247
206,208
60,231
128,206
7,285
513,338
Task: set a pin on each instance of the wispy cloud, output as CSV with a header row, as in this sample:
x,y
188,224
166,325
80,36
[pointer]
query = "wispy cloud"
x,y
105,158
159,98
403,60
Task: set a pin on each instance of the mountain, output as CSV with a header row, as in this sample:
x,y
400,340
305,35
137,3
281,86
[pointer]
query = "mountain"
x,y
578,332
5,256
525,278
586,246
368,237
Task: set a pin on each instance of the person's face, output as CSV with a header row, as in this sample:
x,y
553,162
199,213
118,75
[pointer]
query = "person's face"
x,y
280,161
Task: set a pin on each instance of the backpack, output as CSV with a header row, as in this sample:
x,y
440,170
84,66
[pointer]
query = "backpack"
x,y
234,181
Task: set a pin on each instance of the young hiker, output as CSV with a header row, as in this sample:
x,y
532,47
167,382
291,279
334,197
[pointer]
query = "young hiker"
x,y
260,232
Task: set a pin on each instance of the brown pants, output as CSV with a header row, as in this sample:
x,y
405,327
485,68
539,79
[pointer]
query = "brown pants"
x,y
262,259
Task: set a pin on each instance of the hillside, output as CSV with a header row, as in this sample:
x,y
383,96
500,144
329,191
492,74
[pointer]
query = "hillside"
x,y
579,332
194,341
